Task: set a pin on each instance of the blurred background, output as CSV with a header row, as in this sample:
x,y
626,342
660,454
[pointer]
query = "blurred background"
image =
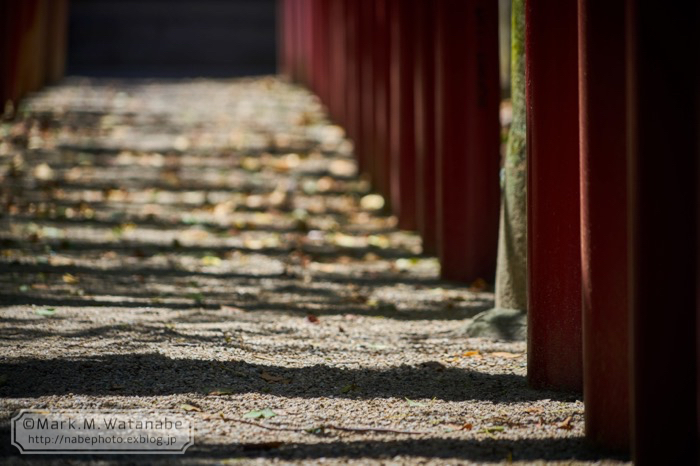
x,y
171,38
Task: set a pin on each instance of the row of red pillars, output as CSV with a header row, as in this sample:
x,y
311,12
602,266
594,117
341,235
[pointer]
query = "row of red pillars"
x,y
613,95
612,118
416,86
33,35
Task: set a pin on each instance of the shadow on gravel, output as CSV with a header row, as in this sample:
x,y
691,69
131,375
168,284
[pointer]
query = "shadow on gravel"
x,y
496,450
110,375
482,450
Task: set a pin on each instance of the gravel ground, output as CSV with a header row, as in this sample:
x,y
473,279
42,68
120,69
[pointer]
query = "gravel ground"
x,y
206,246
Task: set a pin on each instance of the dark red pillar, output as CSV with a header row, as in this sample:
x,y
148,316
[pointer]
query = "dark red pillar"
x,y
664,113
554,254
285,37
424,113
365,138
56,39
306,41
402,161
352,71
337,56
467,137
320,49
380,52
10,35
604,222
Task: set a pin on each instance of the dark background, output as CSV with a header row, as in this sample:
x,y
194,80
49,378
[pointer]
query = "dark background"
x,y
172,38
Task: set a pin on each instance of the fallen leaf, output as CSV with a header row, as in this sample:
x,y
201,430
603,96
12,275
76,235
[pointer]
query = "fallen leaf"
x,y
312,318
351,387
43,172
69,278
491,429
46,312
378,241
189,408
372,202
272,378
478,285
231,309
198,298
566,424
266,413
221,391
505,355
414,403
211,261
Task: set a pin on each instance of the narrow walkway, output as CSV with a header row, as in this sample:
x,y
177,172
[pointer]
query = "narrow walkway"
x,y
208,243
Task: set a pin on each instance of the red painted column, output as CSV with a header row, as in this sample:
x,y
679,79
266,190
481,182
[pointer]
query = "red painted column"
x,y
380,52
318,48
337,87
664,116
33,47
8,54
554,251
365,139
467,138
424,113
56,40
402,160
302,31
604,222
352,72
313,45
285,41
322,48
306,42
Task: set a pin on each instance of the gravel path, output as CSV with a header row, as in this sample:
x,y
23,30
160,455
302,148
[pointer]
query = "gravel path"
x,y
209,244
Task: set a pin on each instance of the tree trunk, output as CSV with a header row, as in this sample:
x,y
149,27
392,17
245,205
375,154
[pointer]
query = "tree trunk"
x,y
508,319
511,287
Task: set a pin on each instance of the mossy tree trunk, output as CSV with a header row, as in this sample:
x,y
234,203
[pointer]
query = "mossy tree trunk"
x,y
511,285
508,320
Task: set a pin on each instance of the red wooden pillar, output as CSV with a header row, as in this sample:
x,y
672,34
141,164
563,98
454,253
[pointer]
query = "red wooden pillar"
x,y
604,222
365,138
17,32
664,116
554,254
301,31
321,49
317,46
285,37
467,137
306,42
402,166
424,112
352,72
380,52
338,58
8,34
57,38
32,47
